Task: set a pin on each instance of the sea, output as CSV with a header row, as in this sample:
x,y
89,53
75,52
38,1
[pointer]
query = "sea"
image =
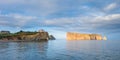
x,y
61,50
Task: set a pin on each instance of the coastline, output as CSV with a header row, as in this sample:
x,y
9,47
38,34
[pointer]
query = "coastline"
x,y
22,41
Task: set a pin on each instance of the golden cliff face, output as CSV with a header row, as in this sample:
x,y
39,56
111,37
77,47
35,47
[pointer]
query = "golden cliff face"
x,y
78,36
38,36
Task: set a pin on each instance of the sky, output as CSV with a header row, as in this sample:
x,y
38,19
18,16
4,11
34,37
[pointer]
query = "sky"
x,y
61,16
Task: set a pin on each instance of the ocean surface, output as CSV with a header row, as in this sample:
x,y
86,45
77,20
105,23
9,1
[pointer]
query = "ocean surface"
x,y
61,50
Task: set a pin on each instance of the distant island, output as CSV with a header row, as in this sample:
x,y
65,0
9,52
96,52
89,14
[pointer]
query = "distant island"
x,y
79,36
40,35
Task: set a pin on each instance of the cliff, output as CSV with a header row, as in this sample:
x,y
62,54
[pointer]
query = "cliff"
x,y
36,37
78,36
27,36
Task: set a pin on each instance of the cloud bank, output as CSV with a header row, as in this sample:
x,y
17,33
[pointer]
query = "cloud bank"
x,y
86,16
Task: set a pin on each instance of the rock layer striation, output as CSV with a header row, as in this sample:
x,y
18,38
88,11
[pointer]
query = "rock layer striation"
x,y
79,36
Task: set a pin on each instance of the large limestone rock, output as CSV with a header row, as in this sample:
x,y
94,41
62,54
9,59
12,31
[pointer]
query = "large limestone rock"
x,y
78,36
95,37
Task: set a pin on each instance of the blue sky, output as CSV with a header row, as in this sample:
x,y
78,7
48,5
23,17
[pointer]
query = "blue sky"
x,y
61,16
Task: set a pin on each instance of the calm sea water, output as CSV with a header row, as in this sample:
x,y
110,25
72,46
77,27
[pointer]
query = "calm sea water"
x,y
61,50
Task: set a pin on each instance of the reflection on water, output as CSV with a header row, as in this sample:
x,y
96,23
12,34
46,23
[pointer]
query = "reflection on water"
x,y
60,50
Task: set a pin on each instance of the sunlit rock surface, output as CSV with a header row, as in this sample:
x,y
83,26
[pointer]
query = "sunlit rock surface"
x,y
41,35
38,36
79,36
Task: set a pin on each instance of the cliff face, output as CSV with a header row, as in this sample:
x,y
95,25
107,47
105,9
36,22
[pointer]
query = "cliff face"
x,y
28,36
36,37
78,36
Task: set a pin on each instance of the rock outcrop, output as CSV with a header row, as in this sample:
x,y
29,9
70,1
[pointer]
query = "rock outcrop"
x,y
104,38
78,36
51,37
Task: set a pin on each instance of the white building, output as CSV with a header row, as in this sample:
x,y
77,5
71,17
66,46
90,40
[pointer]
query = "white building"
x,y
41,30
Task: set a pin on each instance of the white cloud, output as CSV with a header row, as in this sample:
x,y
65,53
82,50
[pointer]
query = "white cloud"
x,y
110,6
15,19
60,21
10,1
42,7
33,7
110,17
80,23
18,16
84,23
